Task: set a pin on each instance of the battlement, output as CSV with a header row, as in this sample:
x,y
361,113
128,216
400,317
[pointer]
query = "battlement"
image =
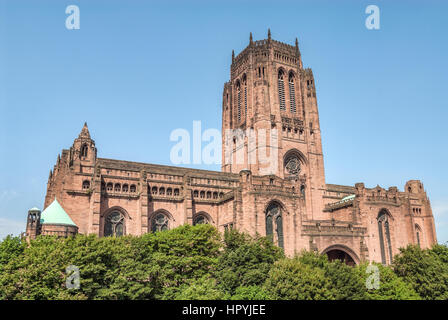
x,y
267,49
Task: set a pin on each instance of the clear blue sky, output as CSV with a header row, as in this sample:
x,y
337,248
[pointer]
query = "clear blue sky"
x,y
136,70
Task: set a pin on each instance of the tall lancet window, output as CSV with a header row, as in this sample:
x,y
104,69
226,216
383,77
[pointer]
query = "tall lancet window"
x,y
281,90
384,237
274,224
238,90
418,231
292,93
245,95
84,150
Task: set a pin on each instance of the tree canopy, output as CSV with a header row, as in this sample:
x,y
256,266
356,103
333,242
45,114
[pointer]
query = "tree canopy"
x,y
197,262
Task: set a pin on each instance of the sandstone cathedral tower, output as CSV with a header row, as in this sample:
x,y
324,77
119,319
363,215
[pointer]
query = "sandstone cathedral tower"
x,y
272,180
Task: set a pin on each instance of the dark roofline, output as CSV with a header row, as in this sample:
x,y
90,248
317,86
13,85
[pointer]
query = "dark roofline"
x,y
340,188
141,165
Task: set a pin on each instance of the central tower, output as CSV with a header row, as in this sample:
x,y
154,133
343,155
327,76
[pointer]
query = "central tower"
x,y
270,121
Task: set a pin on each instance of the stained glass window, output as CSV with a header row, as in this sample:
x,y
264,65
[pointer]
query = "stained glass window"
x,y
274,216
159,222
114,225
200,219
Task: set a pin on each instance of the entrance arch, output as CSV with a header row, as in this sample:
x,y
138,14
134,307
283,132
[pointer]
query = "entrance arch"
x,y
342,253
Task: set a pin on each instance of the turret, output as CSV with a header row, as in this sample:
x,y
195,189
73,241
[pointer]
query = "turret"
x,y
33,226
83,152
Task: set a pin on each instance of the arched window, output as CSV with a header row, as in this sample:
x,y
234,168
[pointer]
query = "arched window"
x,y
133,188
384,237
274,224
159,222
169,192
221,194
195,193
281,90
302,191
86,184
202,194
176,192
84,150
125,188
200,219
110,186
117,187
292,93
114,224
162,191
215,195
238,93
154,190
209,195
418,233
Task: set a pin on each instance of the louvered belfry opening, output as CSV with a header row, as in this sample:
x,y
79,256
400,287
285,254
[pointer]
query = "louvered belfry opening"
x,y
281,90
238,89
292,93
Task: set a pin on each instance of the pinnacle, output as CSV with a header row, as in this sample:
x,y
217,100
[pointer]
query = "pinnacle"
x,y
85,131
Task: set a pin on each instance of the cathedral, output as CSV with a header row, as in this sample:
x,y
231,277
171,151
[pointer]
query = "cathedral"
x,y
285,198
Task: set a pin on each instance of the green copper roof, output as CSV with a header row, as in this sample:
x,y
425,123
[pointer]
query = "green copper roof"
x,y
55,214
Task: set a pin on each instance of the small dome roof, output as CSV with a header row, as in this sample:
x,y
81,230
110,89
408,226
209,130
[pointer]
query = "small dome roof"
x,y
55,214
34,209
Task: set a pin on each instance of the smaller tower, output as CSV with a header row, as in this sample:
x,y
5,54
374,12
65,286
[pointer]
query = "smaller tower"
x,y
33,223
83,151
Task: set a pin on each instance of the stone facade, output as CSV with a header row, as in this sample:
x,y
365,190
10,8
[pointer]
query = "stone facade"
x,y
269,90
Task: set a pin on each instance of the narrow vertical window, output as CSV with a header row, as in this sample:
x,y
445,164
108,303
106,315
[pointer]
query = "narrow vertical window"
x,y
418,231
281,90
274,224
84,150
384,237
238,89
386,227
245,95
245,101
381,238
269,229
292,94
279,230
